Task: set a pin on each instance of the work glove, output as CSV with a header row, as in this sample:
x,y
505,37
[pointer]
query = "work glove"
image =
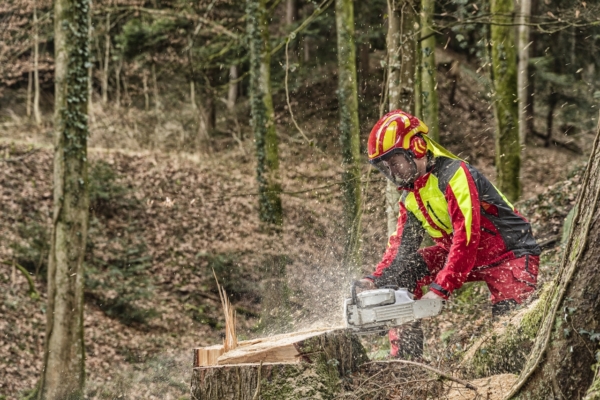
x,y
432,295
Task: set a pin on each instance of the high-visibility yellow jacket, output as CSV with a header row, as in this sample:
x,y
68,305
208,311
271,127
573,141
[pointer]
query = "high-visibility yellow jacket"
x,y
463,213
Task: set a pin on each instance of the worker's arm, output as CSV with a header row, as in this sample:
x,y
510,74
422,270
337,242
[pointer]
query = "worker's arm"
x,y
402,246
464,209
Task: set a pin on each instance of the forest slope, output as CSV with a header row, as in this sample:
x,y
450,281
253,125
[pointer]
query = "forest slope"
x,y
161,222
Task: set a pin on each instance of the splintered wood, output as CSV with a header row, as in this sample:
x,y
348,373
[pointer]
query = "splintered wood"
x,y
230,341
286,348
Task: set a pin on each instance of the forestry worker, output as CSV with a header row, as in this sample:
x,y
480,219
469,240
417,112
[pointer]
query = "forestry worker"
x,y
478,234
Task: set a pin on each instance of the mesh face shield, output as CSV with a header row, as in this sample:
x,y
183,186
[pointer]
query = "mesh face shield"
x,y
398,166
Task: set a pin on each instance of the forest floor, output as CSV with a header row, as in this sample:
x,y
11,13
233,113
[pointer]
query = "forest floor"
x,y
162,221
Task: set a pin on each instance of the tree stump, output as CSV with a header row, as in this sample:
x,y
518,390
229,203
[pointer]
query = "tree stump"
x,y
302,365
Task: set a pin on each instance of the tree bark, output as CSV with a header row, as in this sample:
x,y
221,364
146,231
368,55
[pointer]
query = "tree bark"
x,y
29,91
559,366
349,129
401,71
157,104
104,87
552,101
145,89
523,70
36,72
193,94
504,66
118,82
263,119
291,12
64,356
232,94
309,368
429,71
365,55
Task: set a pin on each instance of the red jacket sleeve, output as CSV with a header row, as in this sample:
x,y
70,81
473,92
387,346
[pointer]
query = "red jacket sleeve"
x,y
463,206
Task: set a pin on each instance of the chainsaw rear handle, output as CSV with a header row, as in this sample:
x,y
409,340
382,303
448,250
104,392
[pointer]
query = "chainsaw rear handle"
x,y
354,284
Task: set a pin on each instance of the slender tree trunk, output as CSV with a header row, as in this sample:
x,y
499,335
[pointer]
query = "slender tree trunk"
x,y
275,301
523,69
106,61
145,88
306,45
91,88
36,72
211,110
232,94
29,92
363,48
291,12
63,374
401,69
126,96
552,101
418,97
349,129
365,55
118,83
263,119
157,104
506,108
566,347
429,71
193,94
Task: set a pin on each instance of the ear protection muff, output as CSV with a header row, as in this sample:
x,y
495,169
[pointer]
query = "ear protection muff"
x,y
418,146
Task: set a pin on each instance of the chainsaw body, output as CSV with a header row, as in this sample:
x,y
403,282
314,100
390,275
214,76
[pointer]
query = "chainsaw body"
x,y
379,310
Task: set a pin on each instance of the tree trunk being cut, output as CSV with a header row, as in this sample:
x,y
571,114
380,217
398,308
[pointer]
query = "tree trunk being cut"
x,y
301,365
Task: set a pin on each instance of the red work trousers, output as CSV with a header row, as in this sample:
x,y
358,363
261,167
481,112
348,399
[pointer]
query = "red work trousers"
x,y
511,279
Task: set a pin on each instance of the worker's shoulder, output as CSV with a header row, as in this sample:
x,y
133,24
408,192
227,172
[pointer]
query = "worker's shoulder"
x,y
444,170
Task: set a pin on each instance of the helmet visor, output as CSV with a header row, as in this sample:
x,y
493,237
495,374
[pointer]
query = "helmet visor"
x,y
399,167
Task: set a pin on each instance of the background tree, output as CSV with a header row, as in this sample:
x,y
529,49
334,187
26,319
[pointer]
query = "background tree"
x,y
36,71
349,128
402,55
523,70
504,65
261,104
429,93
64,356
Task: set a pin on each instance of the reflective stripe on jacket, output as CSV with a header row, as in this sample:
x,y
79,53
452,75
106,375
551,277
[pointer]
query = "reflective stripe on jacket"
x,y
464,214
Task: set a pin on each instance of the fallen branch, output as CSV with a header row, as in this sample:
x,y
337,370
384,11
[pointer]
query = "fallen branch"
x,y
427,367
19,158
32,292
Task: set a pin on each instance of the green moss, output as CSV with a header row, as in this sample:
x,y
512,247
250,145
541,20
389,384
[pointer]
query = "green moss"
x,y
321,377
593,392
507,353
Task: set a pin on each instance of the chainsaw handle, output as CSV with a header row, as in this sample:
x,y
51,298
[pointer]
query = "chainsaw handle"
x,y
353,292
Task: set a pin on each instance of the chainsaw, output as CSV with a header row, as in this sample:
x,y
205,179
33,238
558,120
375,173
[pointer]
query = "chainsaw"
x,y
378,310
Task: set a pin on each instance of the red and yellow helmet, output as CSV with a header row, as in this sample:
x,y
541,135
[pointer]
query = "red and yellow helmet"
x,y
397,131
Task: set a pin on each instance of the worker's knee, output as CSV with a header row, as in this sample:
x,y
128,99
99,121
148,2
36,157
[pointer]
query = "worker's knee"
x,y
512,282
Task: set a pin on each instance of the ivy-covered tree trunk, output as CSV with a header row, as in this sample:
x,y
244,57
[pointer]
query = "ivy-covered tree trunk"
x,y
64,359
567,344
504,67
349,128
263,121
429,71
401,46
